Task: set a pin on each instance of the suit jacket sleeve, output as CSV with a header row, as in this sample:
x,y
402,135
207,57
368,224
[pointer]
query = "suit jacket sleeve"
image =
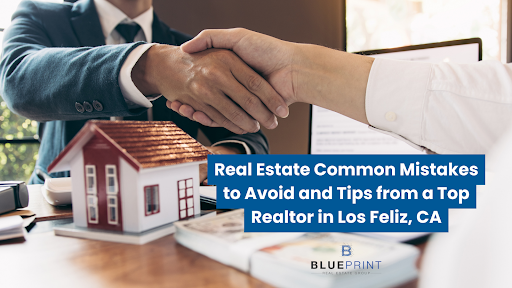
x,y
43,82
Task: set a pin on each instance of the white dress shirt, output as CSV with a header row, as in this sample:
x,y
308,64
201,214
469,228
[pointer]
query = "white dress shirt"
x,y
476,252
456,108
110,16
448,108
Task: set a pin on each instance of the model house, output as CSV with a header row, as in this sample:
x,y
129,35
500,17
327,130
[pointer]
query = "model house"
x,y
132,176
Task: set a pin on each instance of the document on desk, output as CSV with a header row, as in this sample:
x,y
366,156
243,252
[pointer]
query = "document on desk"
x,y
333,133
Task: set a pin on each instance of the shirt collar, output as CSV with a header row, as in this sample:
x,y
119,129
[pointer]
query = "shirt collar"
x,y
110,16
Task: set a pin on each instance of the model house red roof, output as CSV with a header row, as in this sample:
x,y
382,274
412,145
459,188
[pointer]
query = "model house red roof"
x,y
146,144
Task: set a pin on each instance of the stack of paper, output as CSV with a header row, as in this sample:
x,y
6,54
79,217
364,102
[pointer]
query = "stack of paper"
x,y
11,227
222,238
299,259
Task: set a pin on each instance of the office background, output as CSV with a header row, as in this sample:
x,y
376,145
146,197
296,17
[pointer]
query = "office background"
x,y
370,24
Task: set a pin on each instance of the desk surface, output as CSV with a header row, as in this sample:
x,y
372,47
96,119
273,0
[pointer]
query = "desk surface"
x,y
46,260
60,261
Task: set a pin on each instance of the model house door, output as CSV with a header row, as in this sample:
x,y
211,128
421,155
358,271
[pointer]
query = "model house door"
x,y
102,183
185,198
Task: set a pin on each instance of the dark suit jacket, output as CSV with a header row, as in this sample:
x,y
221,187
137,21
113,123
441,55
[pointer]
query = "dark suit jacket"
x,y
43,74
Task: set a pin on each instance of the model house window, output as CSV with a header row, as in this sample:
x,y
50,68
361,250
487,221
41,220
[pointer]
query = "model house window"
x,y
111,176
112,209
92,209
152,201
186,198
90,175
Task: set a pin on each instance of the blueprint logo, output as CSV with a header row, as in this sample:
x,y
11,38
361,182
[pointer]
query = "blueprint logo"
x,y
342,267
346,250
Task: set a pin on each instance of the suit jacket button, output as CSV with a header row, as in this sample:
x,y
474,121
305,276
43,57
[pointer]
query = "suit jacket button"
x,y
97,105
87,106
79,107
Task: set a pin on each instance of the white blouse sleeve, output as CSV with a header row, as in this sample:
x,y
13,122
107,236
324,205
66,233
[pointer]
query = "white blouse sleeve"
x,y
447,107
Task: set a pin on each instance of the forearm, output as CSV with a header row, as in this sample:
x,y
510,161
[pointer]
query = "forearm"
x,y
145,71
331,79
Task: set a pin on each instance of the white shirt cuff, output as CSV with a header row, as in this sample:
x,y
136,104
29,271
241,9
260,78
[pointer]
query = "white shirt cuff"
x,y
395,98
133,97
246,147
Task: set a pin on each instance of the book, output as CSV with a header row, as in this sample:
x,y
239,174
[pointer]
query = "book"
x,y
300,259
222,238
11,227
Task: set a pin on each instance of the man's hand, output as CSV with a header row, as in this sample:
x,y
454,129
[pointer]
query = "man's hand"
x,y
271,57
215,82
221,149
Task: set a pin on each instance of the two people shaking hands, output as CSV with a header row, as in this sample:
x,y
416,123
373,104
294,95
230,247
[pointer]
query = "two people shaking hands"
x,y
440,107
286,73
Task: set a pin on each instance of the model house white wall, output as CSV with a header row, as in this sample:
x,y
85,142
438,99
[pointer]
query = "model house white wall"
x,y
167,178
129,199
132,185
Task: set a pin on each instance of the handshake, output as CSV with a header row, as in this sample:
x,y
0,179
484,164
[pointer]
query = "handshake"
x,y
237,79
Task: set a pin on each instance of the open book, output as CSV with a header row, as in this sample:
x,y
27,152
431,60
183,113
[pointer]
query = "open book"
x,y
300,259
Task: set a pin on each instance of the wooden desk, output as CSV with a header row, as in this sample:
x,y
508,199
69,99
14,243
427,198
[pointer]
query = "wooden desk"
x,y
46,260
